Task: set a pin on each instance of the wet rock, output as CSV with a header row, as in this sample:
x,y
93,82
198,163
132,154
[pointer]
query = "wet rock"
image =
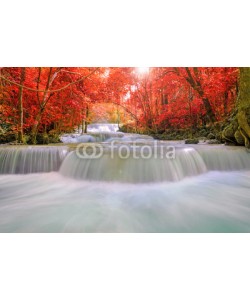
x,y
214,141
8,138
228,132
202,139
191,141
211,136
178,137
239,138
203,132
218,136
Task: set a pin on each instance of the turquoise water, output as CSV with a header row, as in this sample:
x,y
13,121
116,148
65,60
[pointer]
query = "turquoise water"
x,y
201,188
48,202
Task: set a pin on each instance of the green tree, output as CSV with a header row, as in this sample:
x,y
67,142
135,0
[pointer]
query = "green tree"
x,y
238,131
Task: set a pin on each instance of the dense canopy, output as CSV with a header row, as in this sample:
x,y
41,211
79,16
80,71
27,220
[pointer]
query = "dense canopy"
x,y
52,100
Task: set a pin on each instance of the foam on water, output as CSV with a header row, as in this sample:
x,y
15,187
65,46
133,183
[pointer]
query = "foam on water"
x,y
76,138
103,127
205,188
102,132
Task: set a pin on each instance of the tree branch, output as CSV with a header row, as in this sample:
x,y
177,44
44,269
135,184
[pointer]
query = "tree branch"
x,y
50,91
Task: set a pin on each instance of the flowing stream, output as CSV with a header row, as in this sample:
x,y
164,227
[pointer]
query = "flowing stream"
x,y
136,185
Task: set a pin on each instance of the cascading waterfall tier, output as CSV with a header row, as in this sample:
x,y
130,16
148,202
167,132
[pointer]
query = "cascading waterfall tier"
x,y
101,132
115,165
31,159
135,166
97,132
188,161
76,138
103,127
224,158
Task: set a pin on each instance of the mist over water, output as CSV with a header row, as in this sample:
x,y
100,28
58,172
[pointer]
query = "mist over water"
x,y
205,188
211,202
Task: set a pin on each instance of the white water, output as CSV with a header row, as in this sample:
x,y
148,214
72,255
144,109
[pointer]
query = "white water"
x,y
224,158
211,202
102,127
97,132
109,136
188,161
205,188
101,133
134,169
75,138
23,160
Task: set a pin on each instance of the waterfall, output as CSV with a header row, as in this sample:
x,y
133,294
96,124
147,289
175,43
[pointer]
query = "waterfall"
x,y
225,158
103,127
187,162
76,138
131,168
102,132
31,159
176,193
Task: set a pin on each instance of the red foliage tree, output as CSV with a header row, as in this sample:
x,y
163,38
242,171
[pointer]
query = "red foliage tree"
x,y
55,100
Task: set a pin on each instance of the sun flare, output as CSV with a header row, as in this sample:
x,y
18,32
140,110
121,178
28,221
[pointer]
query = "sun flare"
x,y
144,70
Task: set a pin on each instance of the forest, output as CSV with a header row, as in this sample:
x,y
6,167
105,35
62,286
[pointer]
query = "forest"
x,y
38,104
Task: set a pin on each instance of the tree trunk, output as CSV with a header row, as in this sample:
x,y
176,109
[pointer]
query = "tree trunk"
x,y
238,130
190,99
196,85
243,115
83,126
86,121
118,116
20,107
225,103
38,118
35,127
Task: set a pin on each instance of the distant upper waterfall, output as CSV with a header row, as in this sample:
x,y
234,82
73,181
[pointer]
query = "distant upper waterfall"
x,y
97,132
103,127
